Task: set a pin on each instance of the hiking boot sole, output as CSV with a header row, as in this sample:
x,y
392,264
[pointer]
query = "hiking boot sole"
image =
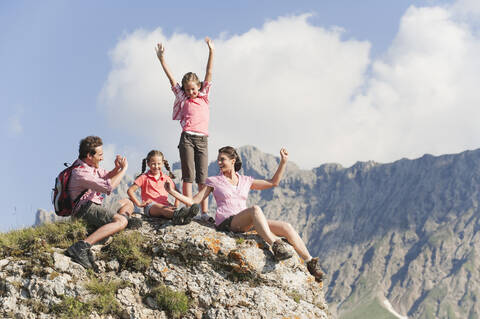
x,y
71,252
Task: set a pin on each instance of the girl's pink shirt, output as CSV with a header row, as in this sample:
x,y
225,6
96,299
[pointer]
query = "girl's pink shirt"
x,y
152,188
194,114
230,199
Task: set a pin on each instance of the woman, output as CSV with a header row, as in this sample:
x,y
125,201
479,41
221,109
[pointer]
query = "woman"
x,y
230,190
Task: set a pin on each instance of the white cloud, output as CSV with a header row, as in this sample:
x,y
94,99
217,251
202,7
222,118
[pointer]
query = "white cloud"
x,y
468,8
304,87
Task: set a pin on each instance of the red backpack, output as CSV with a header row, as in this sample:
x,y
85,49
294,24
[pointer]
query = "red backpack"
x,y
61,200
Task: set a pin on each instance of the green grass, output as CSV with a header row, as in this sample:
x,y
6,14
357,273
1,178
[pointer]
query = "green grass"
x,y
126,248
35,243
32,241
295,296
175,303
240,240
103,302
71,307
105,291
371,310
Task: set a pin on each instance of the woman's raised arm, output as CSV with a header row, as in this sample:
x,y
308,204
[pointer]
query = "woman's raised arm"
x,y
260,184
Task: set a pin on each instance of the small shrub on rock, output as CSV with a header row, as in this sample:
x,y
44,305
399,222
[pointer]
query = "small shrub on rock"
x,y
105,291
175,303
126,247
71,307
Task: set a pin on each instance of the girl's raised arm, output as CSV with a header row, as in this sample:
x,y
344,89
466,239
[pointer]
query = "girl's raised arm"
x,y
160,49
211,48
199,197
259,184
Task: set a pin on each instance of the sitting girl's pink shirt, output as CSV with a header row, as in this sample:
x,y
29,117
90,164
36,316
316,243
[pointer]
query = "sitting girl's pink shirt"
x,y
154,189
230,199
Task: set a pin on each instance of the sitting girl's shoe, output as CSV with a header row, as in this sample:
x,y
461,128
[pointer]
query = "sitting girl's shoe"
x,y
281,250
313,266
185,215
204,217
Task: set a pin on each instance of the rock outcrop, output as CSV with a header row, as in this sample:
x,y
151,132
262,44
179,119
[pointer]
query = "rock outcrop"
x,y
218,275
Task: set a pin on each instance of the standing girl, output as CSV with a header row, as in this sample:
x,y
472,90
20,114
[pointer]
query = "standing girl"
x,y
230,190
191,107
154,197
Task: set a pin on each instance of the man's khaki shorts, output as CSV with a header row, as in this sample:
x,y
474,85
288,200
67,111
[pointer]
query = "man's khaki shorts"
x,y
95,215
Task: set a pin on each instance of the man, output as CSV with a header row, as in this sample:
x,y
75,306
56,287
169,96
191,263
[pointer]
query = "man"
x,y
91,183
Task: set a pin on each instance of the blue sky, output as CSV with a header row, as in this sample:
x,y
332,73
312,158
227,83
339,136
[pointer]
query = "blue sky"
x,y
57,60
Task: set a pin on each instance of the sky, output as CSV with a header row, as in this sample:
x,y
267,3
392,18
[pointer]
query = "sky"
x,y
333,81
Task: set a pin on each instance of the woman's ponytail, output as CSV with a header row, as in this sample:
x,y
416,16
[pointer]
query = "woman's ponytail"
x,y
238,162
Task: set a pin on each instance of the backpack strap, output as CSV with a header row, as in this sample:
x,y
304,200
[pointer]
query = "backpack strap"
x,y
75,201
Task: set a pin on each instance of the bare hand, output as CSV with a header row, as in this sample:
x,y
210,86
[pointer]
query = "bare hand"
x,y
284,154
122,162
160,50
145,203
209,43
117,162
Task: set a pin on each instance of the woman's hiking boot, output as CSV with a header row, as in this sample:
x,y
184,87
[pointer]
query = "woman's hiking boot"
x,y
281,250
314,269
80,253
185,215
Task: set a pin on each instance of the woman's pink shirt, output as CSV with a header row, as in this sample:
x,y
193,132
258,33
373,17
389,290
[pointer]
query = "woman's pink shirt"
x,y
230,199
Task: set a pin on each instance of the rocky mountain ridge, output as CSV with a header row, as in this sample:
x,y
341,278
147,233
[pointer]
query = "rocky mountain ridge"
x,y
159,271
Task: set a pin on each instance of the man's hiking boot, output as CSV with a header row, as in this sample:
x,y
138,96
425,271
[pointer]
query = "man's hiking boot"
x,y
185,215
281,250
134,223
314,269
80,253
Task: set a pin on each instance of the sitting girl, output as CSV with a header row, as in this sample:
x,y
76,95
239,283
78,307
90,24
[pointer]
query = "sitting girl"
x,y
230,190
154,197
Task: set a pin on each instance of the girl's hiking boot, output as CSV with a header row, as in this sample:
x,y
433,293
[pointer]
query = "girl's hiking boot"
x,y
281,251
185,215
80,253
204,217
314,269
